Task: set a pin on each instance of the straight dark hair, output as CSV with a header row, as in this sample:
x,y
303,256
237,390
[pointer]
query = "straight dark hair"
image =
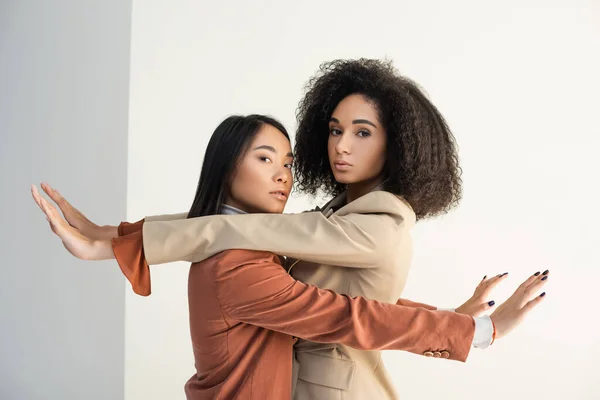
x,y
227,145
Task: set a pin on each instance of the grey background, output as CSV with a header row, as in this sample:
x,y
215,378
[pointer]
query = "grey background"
x,y
64,72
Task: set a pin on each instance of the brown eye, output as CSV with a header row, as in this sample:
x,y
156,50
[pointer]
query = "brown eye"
x,y
364,133
265,159
335,132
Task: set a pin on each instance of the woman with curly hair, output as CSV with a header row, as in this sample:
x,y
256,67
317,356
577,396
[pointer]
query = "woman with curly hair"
x,y
370,138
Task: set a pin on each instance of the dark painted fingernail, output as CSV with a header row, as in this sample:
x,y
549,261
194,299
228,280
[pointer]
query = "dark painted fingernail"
x,y
485,276
491,303
537,273
544,278
543,294
506,273
545,272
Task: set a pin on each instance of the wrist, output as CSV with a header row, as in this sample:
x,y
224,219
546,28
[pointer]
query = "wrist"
x,y
494,333
108,231
96,232
91,231
102,249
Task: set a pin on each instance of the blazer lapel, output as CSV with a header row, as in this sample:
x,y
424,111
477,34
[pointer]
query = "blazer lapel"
x,y
333,204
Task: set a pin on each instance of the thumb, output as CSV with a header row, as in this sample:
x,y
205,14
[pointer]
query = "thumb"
x,y
483,308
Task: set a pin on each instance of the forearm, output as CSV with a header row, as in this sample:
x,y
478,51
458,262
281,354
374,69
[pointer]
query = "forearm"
x,y
103,241
166,217
262,294
365,325
95,232
105,232
354,241
409,303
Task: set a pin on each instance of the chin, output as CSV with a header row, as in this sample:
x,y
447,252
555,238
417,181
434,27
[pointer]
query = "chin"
x,y
344,179
274,209
278,209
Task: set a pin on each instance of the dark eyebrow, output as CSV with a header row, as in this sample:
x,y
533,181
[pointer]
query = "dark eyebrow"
x,y
271,149
364,121
356,121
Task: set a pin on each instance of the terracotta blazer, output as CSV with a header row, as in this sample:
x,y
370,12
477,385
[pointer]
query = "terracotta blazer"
x,y
360,249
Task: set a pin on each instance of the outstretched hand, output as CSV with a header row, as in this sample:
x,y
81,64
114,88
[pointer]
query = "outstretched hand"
x,y
513,311
72,239
480,302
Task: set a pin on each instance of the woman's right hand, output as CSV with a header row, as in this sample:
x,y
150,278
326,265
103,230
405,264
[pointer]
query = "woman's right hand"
x,y
513,311
74,217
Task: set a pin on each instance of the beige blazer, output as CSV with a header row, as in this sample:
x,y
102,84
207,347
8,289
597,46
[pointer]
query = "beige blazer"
x,y
361,249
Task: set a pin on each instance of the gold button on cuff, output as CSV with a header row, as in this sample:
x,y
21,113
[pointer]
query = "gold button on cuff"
x,y
445,354
428,354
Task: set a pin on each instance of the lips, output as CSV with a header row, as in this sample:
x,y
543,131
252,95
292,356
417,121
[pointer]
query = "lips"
x,y
342,165
280,194
342,162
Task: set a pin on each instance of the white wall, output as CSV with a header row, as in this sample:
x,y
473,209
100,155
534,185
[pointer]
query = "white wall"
x,y
517,82
64,68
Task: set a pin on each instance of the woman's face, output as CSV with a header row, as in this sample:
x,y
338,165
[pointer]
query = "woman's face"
x,y
262,181
357,142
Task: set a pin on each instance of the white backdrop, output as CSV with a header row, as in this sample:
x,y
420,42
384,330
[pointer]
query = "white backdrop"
x,y
518,84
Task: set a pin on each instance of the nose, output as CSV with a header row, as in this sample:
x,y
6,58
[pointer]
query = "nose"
x,y
282,175
342,144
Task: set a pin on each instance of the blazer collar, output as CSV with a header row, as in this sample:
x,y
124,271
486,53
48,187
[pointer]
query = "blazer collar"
x,y
340,201
377,201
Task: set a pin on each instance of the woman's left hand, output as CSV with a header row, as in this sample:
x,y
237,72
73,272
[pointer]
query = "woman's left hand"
x,y
480,302
74,241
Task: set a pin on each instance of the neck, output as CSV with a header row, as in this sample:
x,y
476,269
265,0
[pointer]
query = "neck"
x,y
231,209
358,189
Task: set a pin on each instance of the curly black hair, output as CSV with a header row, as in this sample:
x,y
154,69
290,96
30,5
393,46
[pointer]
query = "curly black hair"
x,y
422,162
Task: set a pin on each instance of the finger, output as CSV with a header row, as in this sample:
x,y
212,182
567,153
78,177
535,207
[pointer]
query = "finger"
x,y
65,206
56,197
52,228
532,303
52,193
537,283
36,196
39,200
481,282
51,212
50,223
57,224
522,296
529,281
45,209
487,289
484,307
493,281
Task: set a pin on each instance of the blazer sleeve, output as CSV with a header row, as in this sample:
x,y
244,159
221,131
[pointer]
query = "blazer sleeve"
x,y
263,294
408,303
364,235
129,254
126,228
166,217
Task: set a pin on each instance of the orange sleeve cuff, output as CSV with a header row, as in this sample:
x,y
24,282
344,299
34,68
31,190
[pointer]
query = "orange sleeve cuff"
x,y
125,228
129,253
